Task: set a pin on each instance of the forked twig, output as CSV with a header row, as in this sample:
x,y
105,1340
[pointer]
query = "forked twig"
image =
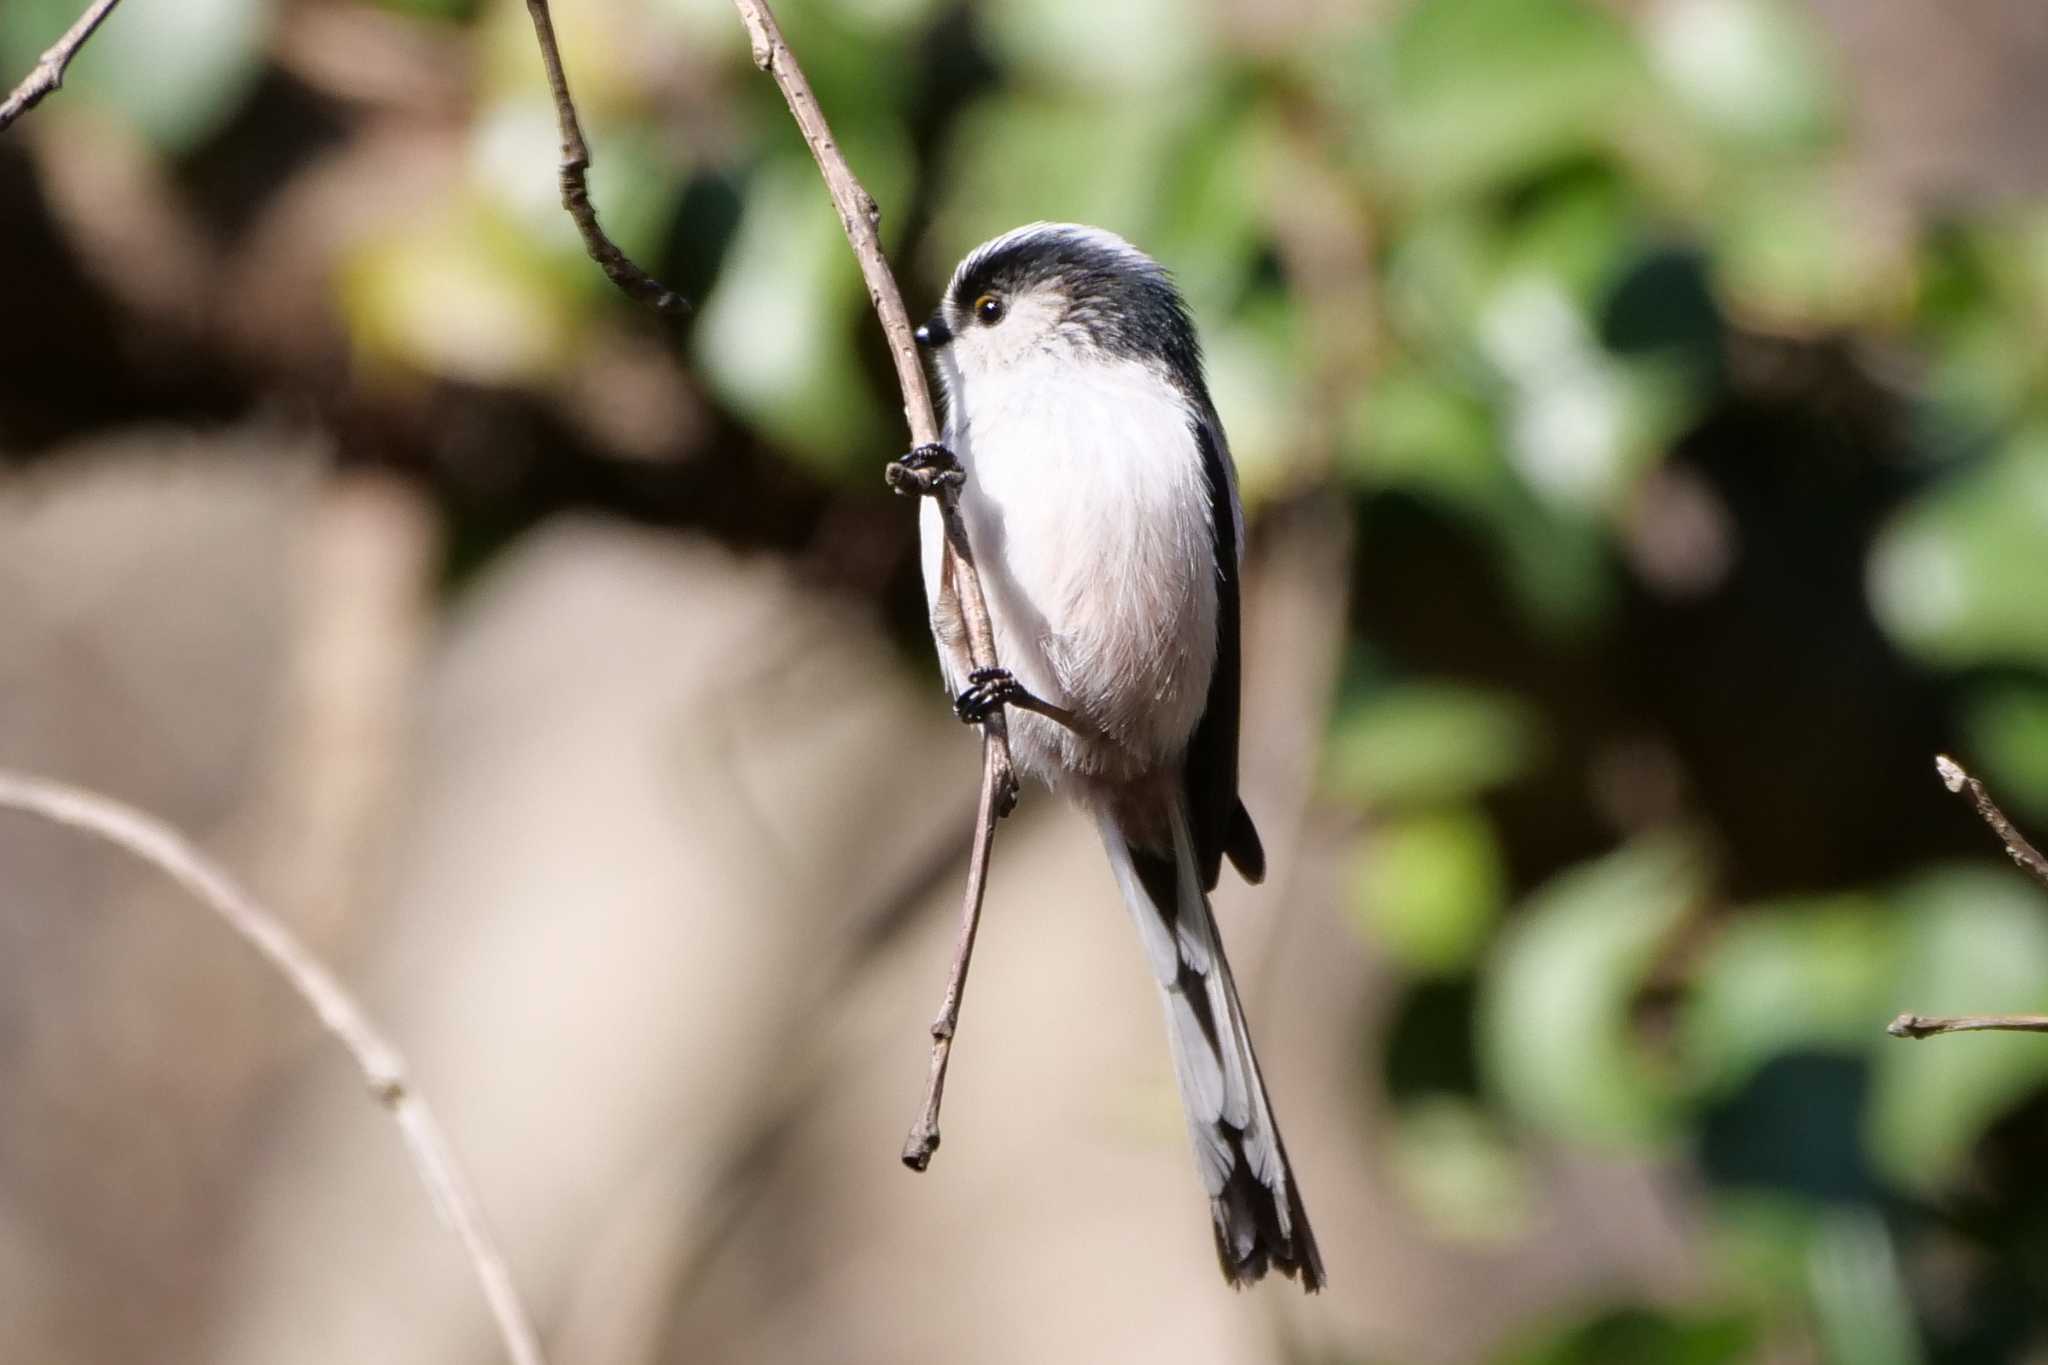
x,y
859,215
48,72
617,266
1957,780
162,847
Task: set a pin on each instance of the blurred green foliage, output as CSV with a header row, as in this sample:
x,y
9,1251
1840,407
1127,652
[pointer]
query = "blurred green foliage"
x,y
1593,250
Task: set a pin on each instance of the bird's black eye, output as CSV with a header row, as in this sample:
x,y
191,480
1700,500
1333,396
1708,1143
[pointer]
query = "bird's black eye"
x,y
989,310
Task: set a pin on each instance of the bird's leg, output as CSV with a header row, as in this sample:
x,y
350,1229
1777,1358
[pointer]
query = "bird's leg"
x,y
989,688
926,471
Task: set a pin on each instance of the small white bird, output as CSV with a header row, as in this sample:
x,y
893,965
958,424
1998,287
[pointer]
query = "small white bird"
x,y
1102,506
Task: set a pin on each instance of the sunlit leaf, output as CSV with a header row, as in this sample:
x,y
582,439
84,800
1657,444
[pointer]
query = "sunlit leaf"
x,y
1555,1034
1750,68
1957,576
1789,255
1428,887
463,294
1132,45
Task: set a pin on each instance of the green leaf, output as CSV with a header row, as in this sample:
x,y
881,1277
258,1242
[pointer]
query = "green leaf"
x,y
1790,977
1752,70
1429,887
1413,430
775,336
1554,1018
1956,578
1207,226
1130,46
1788,251
1483,91
462,293
1982,288
2008,729
1429,743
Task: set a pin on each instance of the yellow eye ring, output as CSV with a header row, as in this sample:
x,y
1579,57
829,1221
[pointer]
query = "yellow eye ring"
x,y
988,310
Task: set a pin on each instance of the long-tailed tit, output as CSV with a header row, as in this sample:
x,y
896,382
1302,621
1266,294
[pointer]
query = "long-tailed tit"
x,y
1102,506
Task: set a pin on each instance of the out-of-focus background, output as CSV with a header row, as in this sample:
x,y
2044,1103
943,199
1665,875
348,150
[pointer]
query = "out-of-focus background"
x,y
1643,415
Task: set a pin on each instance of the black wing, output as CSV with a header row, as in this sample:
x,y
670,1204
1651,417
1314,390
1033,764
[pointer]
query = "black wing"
x,y
1220,822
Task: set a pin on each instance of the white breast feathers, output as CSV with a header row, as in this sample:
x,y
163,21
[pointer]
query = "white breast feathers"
x,y
1090,514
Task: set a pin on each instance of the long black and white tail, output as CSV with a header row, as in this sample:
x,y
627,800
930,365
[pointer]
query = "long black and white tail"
x,y
1259,1220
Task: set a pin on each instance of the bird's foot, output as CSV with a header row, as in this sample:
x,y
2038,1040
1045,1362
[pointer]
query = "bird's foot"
x,y
926,472
987,689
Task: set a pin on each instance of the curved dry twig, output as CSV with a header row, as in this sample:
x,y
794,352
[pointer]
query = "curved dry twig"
x,y
164,848
617,265
48,73
859,215
2016,846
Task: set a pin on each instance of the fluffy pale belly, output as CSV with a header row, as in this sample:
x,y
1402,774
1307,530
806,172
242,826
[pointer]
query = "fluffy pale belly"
x,y
1111,641
1095,552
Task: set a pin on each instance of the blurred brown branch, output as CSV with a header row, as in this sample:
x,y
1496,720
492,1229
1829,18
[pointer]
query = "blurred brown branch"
x,y
163,848
859,216
2016,846
1927,1025
618,267
1959,781
48,73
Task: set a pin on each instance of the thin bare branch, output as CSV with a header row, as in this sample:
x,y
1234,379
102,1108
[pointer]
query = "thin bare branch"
x,y
1927,1025
163,848
48,73
923,1139
618,267
860,216
2016,846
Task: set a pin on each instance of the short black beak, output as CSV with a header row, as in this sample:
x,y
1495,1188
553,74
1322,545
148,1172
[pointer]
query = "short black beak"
x,y
935,333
